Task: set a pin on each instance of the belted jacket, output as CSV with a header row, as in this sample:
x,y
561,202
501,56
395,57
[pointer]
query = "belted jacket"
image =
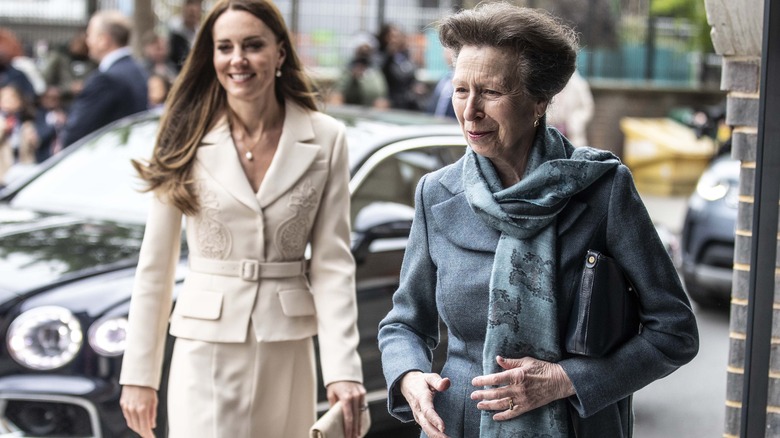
x,y
247,273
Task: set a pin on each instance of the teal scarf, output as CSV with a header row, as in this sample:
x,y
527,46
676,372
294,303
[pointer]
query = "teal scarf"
x,y
523,306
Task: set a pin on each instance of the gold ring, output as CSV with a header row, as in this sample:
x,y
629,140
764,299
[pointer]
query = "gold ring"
x,y
511,404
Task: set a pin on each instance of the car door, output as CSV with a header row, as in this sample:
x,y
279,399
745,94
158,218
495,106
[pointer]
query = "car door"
x,y
382,211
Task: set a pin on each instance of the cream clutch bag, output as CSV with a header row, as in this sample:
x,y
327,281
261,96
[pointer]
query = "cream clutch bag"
x,y
331,424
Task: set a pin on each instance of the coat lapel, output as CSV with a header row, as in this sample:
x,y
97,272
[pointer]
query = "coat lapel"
x,y
568,217
217,154
292,158
457,221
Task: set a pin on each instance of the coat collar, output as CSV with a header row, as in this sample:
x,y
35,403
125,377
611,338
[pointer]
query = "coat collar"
x,y
459,224
219,157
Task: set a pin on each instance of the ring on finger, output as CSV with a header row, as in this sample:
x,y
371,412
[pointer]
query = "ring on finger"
x,y
511,404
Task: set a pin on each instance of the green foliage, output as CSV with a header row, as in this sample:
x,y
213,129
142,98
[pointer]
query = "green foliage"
x,y
691,10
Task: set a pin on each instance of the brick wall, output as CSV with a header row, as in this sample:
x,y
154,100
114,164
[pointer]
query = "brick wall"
x,y
736,35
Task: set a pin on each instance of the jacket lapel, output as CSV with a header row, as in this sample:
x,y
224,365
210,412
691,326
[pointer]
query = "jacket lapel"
x,y
292,158
457,221
568,217
459,224
217,155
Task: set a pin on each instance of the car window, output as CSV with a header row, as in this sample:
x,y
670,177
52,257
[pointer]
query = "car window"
x,y
394,179
96,180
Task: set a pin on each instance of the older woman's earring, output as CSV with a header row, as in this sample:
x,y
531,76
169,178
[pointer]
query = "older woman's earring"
x,y
278,72
536,122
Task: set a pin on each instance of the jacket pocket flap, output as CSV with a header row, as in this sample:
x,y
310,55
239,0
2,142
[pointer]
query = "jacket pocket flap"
x,y
199,304
297,302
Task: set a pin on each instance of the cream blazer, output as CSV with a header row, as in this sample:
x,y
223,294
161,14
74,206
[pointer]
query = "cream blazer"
x,y
246,253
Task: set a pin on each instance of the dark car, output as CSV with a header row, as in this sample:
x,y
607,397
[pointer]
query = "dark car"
x,y
708,234
69,241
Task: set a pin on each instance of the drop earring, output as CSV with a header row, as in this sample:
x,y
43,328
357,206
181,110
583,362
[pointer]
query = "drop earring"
x,y
536,122
278,73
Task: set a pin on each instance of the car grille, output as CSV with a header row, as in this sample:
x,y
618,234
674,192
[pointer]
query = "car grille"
x,y
719,255
48,419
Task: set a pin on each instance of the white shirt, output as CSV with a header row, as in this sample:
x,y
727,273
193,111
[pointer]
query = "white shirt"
x,y
113,57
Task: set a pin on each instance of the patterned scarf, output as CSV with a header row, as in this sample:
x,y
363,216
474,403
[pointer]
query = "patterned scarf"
x,y
523,313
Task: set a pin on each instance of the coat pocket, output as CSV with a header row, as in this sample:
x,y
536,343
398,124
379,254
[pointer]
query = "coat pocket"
x,y
199,304
297,302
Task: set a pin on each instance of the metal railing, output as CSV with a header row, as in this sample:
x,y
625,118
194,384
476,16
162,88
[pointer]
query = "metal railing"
x,y
618,43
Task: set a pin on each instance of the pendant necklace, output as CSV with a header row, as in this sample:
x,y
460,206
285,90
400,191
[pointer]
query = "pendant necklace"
x,y
248,151
242,141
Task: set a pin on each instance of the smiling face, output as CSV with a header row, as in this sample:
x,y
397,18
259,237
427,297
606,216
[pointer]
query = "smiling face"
x,y
246,56
497,118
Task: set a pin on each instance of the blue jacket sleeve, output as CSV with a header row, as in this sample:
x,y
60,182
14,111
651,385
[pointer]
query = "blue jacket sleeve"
x,y
669,338
410,331
91,109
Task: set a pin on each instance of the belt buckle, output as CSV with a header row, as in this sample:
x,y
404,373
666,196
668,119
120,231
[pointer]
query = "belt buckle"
x,y
250,270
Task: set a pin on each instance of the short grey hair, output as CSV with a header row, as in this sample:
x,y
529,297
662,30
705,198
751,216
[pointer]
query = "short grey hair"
x,y
544,47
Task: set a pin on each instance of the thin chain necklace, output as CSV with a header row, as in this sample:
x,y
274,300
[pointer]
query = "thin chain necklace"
x,y
248,150
241,141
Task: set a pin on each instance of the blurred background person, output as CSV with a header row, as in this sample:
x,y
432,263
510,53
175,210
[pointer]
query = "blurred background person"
x,y
25,63
440,101
117,88
18,139
156,56
158,88
403,88
361,83
67,67
182,29
10,48
572,110
50,118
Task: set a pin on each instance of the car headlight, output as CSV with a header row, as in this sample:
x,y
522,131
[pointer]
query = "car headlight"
x,y
45,338
107,336
712,188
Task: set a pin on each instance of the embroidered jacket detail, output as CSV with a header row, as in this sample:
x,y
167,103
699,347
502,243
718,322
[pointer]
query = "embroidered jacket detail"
x,y
293,233
214,239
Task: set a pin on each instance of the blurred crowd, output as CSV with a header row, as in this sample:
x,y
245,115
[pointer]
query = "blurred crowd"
x,y
382,74
53,94
52,97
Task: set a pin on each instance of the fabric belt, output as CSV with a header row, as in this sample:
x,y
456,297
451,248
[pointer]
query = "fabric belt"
x,y
249,270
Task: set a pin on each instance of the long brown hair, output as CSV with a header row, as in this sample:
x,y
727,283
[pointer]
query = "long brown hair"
x,y
197,101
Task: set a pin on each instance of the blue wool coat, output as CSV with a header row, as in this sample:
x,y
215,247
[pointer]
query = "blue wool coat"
x,y
446,272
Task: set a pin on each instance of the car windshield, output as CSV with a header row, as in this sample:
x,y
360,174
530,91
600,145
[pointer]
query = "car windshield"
x,y
96,180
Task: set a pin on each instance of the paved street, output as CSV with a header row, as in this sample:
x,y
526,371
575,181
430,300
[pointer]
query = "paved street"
x,y
689,403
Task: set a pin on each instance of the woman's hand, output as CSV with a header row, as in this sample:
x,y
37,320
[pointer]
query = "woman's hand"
x,y
353,400
418,388
526,384
139,406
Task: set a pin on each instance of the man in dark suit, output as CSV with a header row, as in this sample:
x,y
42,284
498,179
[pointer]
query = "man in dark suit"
x,y
117,88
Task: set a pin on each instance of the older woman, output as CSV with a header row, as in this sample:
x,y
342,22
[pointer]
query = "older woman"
x,y
499,239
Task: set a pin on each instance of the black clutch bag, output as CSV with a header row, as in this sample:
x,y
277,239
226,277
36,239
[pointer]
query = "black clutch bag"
x,y
605,312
